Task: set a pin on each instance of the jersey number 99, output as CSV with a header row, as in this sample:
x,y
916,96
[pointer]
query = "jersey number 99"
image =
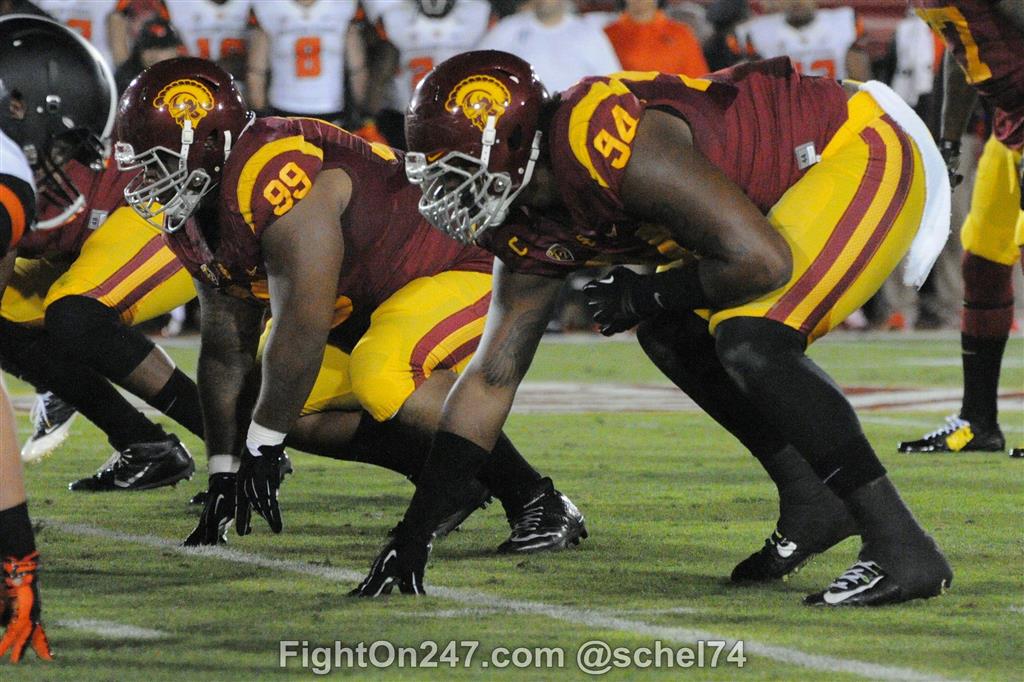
x,y
290,185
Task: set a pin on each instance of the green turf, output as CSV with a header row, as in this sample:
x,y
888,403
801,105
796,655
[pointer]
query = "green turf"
x,y
671,503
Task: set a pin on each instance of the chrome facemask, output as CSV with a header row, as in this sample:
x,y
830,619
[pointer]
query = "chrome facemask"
x,y
460,196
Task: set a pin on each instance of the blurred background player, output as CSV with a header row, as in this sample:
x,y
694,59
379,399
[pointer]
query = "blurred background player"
x,y
101,22
985,44
722,49
561,46
62,112
420,34
315,54
217,30
819,42
646,39
157,40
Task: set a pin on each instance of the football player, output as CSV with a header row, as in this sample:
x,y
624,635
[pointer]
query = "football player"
x,y
214,29
820,42
65,322
310,46
424,33
372,310
102,22
783,202
985,41
36,133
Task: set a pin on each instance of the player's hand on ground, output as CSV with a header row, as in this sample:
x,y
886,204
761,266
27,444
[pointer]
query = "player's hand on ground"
x,y
21,615
259,480
400,563
219,510
612,300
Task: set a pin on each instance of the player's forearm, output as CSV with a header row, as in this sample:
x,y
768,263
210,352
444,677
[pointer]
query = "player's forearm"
x,y
958,100
226,373
291,360
226,382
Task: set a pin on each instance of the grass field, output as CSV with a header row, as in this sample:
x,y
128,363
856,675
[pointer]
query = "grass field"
x,y
671,502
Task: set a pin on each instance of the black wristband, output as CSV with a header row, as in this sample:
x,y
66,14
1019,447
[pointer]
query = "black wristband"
x,y
677,289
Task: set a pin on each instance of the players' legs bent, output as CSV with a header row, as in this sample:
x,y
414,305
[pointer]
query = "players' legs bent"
x,y
766,360
811,517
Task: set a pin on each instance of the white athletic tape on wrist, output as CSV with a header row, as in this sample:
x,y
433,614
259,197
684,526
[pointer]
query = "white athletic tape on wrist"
x,y
223,464
259,436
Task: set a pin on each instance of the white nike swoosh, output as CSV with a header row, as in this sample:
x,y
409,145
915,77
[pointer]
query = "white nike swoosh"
x,y
132,478
837,597
786,549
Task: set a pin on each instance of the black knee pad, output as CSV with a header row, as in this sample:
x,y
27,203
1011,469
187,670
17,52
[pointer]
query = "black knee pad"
x,y
750,348
93,333
20,348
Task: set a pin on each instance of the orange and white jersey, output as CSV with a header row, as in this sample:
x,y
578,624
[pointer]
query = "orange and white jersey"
x,y
211,30
817,49
423,41
307,53
87,17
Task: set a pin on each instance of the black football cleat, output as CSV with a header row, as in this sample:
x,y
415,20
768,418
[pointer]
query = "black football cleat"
x,y
51,424
1017,453
549,520
141,466
802,532
916,570
199,498
868,584
958,435
779,558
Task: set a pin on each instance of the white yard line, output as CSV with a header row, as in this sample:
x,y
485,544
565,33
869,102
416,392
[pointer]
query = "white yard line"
x,y
480,600
112,630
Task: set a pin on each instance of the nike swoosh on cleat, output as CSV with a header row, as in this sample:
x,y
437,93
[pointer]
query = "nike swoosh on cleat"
x,y
785,549
132,478
839,597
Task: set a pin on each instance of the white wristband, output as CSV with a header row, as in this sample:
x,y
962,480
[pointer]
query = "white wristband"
x,y
259,436
222,464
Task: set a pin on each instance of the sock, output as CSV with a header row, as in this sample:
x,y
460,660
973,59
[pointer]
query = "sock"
x,y
179,400
16,536
507,475
451,466
766,360
388,445
985,328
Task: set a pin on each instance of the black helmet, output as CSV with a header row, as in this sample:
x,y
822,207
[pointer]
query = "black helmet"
x,y
57,102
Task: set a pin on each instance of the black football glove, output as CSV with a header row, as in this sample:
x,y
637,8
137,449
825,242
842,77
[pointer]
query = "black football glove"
x,y
401,563
220,507
259,479
616,301
950,150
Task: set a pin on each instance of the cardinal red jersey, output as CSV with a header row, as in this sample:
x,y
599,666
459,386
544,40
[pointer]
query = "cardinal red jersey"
x,y
273,167
990,50
761,124
104,193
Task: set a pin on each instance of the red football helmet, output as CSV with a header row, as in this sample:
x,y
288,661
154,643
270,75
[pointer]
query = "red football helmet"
x,y
177,121
473,130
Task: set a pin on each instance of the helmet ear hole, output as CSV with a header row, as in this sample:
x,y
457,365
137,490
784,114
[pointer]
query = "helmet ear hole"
x,y
515,138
